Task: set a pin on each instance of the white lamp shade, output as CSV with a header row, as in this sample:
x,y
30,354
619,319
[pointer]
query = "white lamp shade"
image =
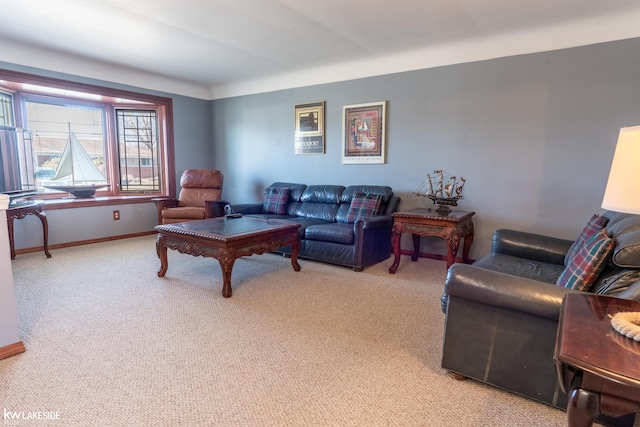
x,y
623,187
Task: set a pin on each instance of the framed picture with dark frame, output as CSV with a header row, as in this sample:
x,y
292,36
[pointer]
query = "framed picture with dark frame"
x,y
309,128
363,133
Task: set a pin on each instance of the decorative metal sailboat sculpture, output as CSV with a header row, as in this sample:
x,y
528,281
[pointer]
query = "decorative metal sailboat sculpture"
x,y
76,172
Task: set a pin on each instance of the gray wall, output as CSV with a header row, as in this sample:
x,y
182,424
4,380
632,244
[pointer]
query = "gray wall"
x,y
533,135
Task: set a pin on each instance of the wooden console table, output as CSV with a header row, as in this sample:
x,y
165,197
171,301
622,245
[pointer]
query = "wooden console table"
x,y
22,210
427,222
597,367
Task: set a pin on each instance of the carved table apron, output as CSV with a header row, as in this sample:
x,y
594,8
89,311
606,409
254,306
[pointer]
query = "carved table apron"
x,y
227,240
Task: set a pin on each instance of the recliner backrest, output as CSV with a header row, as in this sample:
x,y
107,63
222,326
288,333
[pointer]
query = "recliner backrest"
x,y
199,185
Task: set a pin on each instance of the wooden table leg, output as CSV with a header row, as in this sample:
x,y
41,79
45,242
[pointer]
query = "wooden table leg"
x,y
11,243
395,244
295,249
583,408
453,241
161,249
45,231
468,240
22,212
227,259
456,376
416,247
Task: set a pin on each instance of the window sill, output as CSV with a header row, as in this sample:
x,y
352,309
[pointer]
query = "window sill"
x,y
71,202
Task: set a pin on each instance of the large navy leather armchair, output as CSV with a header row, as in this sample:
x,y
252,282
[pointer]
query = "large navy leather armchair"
x,y
502,312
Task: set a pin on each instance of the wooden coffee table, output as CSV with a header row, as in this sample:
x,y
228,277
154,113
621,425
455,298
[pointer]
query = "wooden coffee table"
x,y
597,367
227,240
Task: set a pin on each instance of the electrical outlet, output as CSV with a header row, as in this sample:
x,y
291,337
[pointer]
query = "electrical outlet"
x,y
116,215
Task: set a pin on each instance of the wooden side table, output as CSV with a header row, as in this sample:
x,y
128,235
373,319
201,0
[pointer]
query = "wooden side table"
x,y
22,210
423,222
597,367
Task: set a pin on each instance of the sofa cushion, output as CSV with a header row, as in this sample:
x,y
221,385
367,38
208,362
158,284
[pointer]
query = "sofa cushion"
x,y
363,205
588,262
320,211
275,200
322,194
522,267
319,202
304,222
595,224
336,233
296,189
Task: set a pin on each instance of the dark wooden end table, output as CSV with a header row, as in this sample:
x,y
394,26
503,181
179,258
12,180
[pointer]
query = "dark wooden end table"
x,y
20,211
597,367
227,240
424,222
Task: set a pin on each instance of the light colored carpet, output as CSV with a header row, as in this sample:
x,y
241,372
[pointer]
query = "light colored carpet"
x,y
111,344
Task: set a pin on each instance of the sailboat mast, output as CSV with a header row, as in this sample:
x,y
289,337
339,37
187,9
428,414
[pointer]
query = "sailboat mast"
x,y
73,176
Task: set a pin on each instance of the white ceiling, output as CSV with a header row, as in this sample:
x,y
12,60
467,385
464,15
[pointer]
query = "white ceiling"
x,y
217,48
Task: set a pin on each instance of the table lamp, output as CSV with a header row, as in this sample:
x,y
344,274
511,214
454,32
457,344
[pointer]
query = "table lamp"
x,y
623,187
623,195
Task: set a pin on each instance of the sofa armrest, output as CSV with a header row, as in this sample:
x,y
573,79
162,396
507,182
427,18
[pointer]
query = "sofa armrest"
x,y
504,290
392,205
163,203
243,208
373,221
530,246
372,239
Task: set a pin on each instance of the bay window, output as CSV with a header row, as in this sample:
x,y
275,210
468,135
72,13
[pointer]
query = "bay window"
x,y
125,135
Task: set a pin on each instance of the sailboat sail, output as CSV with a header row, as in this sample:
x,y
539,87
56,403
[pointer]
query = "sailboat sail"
x,y
75,165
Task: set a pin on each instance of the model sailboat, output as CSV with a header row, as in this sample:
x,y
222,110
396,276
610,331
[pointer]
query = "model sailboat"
x,y
76,172
445,192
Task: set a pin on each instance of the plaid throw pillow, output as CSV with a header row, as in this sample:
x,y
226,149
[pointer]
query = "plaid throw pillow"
x,y
275,200
588,262
595,224
362,205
